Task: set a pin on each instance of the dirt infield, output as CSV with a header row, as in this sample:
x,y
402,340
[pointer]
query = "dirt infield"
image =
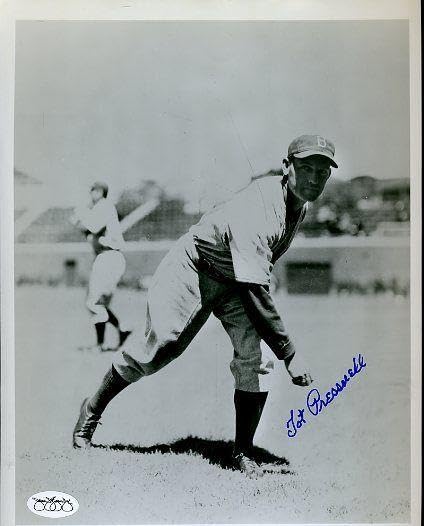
x,y
169,437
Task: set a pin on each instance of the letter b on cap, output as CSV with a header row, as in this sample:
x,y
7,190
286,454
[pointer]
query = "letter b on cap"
x,y
321,142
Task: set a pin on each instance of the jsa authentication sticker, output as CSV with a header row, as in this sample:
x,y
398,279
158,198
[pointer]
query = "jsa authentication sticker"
x,y
52,504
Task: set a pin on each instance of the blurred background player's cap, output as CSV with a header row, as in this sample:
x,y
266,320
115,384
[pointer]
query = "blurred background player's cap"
x,y
100,185
307,145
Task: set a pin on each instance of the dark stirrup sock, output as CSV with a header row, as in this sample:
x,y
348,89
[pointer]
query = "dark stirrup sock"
x,y
112,384
100,332
249,407
112,318
123,335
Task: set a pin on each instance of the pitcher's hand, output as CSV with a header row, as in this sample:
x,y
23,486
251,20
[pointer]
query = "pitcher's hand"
x,y
297,369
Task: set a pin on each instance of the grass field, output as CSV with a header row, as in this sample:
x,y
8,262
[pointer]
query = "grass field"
x,y
170,433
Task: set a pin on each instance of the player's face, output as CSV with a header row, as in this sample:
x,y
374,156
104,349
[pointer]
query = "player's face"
x,y
96,194
307,177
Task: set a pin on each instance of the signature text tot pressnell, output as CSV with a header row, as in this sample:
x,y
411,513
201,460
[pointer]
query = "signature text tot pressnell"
x,y
315,403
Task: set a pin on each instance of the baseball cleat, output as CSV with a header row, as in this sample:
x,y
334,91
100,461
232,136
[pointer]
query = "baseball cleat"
x,y
85,427
247,465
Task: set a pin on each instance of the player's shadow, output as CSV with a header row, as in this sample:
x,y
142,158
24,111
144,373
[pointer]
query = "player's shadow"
x,y
217,452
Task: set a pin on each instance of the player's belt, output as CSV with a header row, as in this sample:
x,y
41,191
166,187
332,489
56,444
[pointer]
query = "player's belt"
x,y
105,248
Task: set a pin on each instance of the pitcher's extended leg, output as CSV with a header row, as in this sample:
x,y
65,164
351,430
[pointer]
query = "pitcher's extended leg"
x,y
178,306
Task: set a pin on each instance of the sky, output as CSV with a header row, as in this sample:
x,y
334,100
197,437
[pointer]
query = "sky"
x,y
201,106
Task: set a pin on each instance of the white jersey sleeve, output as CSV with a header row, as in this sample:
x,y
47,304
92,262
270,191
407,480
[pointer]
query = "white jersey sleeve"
x,y
252,232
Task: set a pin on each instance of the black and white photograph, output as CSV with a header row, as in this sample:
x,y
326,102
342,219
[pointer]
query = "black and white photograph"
x,y
212,280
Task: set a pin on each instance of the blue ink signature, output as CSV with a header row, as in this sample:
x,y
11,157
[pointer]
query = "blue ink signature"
x,y
315,403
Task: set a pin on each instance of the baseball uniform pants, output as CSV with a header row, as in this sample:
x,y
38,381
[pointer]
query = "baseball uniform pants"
x,y
108,269
180,300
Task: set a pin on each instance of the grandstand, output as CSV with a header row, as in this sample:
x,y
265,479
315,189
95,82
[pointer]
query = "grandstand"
x,y
354,207
358,237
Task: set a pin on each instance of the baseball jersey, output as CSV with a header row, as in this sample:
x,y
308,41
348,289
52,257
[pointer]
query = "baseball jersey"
x,y
243,237
102,221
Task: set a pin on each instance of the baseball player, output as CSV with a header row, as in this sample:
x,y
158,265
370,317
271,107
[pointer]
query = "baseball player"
x,y
101,225
223,266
